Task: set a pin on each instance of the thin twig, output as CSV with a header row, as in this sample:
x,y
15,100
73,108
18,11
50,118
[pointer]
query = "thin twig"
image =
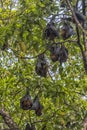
x,y
63,42
34,56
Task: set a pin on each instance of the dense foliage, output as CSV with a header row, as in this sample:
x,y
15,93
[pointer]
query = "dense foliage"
x,y
62,92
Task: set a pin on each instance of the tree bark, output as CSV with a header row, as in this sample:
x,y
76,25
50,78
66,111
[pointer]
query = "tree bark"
x,y
8,120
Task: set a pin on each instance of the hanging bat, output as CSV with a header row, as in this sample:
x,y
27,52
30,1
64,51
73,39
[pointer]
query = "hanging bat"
x,y
66,31
51,32
41,66
54,52
26,101
37,106
63,54
79,16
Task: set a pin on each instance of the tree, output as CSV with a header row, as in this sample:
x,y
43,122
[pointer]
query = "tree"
x,y
24,37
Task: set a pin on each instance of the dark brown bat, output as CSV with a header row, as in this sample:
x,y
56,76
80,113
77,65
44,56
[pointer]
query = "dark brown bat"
x,y
63,54
26,101
51,32
41,66
54,52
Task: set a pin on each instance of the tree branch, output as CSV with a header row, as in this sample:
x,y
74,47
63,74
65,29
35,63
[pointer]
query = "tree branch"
x,y
8,120
84,54
76,20
81,48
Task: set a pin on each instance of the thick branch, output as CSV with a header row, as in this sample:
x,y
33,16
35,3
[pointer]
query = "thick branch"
x,y
84,54
81,48
84,13
8,120
84,35
76,20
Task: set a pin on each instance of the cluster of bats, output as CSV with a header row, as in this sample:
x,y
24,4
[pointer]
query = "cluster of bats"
x,y
26,103
58,52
